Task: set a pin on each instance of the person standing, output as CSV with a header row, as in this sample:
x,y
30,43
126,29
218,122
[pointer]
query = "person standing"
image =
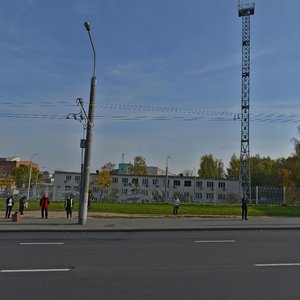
x,y
90,198
9,206
69,204
244,208
176,206
22,201
44,204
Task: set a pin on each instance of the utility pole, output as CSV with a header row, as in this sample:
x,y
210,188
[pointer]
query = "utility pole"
x,y
166,183
245,11
84,194
29,179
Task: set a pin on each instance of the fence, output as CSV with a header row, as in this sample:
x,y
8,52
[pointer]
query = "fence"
x,y
261,195
277,195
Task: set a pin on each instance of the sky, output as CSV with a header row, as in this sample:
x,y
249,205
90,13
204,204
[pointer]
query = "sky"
x,y
168,80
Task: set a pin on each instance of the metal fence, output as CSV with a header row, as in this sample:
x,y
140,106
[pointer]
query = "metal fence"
x,y
277,195
260,195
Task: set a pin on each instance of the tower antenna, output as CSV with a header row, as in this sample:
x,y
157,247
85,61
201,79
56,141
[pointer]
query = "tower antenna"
x,y
245,10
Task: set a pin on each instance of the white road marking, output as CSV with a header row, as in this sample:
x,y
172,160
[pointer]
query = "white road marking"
x,y
34,270
277,265
216,241
25,244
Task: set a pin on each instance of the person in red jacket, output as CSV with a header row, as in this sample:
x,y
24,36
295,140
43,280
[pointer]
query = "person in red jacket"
x,y
44,204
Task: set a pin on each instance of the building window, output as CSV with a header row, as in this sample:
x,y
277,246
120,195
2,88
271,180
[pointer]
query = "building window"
x,y
77,178
68,177
210,184
198,195
124,180
176,182
155,181
124,191
221,196
68,188
187,183
209,196
199,184
145,181
115,179
222,185
145,192
135,181
155,193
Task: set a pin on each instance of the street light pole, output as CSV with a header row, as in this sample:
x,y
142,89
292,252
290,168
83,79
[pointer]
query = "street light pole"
x,y
29,180
166,197
82,216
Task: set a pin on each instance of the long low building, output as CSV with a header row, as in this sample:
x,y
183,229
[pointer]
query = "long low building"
x,y
150,188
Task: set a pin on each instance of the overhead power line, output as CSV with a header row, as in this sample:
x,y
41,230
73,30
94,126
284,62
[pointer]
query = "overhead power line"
x,y
153,113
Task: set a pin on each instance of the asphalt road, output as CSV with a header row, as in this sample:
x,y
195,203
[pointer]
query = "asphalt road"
x,y
153,265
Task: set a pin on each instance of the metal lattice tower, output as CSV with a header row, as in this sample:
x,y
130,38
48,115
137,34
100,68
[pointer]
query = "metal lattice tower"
x,y
245,11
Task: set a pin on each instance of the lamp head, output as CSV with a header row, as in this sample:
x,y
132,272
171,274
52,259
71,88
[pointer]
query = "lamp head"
x,y
87,26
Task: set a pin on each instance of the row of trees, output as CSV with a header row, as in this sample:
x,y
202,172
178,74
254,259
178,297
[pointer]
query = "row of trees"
x,y
20,176
265,171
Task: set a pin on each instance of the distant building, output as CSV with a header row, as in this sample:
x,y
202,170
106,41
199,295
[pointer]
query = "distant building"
x,y
124,170
10,163
151,188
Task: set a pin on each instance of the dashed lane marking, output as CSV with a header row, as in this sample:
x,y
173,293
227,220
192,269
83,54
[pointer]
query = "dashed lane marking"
x,y
26,244
34,270
216,241
278,265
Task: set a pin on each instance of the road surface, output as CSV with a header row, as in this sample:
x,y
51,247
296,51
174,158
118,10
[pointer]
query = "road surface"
x,y
152,265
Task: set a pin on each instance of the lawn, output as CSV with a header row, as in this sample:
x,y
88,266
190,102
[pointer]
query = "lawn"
x,y
166,209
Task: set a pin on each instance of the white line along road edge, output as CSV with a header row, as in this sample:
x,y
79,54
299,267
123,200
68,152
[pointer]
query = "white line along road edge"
x,y
34,270
26,244
216,241
278,265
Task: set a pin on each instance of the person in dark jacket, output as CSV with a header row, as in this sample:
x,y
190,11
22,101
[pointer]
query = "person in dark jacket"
x,y
22,201
9,206
244,208
69,204
44,204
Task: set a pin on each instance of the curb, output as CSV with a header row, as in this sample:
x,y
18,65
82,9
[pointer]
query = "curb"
x,y
81,230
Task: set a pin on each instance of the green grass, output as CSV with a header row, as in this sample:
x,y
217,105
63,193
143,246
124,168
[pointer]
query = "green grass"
x,y
166,209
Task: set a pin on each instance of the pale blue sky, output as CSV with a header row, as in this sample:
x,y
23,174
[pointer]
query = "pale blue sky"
x,y
169,79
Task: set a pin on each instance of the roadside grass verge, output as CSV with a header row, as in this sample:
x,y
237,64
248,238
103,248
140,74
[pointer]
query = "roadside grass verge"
x,y
167,209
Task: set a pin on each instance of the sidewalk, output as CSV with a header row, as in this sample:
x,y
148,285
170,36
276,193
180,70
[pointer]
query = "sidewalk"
x,y
102,222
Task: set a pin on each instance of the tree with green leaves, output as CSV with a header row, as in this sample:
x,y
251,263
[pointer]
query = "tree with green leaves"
x,y
21,175
139,166
211,167
233,170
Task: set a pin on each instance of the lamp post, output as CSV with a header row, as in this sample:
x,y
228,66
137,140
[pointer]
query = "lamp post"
x,y
82,216
30,170
166,197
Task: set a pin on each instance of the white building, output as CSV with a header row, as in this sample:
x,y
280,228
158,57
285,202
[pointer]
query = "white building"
x,y
151,188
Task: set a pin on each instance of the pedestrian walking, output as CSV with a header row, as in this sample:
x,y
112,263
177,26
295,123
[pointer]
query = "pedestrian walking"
x,y
244,208
69,204
44,204
176,205
22,201
9,206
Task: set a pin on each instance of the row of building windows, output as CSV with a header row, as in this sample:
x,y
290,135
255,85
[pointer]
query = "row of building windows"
x,y
155,181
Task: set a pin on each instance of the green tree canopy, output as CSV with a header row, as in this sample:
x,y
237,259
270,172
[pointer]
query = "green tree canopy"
x,y
139,166
21,175
211,167
233,170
